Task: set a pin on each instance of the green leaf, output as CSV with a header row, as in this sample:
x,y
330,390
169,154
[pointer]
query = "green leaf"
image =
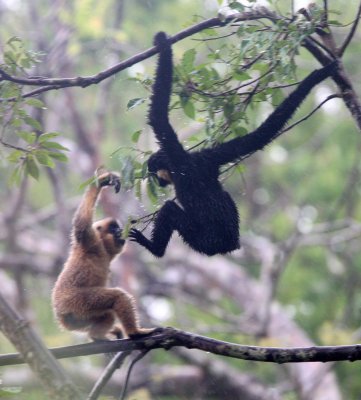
x,y
241,76
152,190
43,158
135,103
236,6
35,103
25,63
188,59
28,137
58,156
189,109
54,145
239,130
240,168
210,31
33,123
44,137
15,155
136,135
127,172
138,189
144,169
127,227
277,97
31,168
16,122
16,176
13,40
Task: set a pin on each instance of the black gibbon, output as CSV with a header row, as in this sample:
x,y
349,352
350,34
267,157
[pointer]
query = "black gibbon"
x,y
204,215
81,300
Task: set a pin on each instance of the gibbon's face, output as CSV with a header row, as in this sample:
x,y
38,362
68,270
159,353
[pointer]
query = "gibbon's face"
x,y
164,177
158,167
110,233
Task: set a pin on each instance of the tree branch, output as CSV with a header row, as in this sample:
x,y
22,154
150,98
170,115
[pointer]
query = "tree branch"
x,y
330,97
171,337
351,33
113,365
58,83
33,352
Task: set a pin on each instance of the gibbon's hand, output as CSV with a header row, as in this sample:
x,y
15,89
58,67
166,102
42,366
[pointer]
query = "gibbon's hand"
x,y
110,179
136,236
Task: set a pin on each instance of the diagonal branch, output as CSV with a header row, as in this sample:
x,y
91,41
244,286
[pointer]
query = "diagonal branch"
x,y
351,33
170,337
113,365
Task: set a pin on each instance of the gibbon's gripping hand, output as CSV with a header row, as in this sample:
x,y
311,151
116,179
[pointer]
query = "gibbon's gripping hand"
x,y
160,39
109,179
137,236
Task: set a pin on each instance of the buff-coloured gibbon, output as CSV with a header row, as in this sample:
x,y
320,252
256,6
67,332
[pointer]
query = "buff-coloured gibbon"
x,y
80,298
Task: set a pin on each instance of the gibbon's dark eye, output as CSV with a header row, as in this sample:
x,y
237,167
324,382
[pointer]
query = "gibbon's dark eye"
x,y
99,228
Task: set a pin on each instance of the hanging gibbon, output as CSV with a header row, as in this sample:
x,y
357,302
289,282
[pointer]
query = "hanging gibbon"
x,y
204,214
80,298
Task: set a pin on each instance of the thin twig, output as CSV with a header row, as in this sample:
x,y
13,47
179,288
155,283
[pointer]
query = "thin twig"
x,y
136,359
330,97
351,33
108,372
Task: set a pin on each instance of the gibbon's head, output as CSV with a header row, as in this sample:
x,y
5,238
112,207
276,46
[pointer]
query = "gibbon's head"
x,y
158,166
109,231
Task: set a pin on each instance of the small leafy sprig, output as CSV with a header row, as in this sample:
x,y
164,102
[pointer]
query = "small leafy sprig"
x,y
30,147
39,150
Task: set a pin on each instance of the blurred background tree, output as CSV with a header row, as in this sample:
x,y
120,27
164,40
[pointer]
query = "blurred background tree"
x,y
296,280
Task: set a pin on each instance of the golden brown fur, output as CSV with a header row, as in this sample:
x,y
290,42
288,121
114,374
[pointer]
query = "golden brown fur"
x,y
81,300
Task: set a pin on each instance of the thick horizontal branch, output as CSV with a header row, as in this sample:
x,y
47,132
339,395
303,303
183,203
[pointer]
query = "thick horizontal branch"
x,y
58,83
170,337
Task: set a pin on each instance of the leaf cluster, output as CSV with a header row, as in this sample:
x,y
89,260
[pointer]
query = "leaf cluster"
x,y
30,147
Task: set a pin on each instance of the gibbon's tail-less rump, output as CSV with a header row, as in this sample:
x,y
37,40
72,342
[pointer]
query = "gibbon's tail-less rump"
x,y
205,215
80,298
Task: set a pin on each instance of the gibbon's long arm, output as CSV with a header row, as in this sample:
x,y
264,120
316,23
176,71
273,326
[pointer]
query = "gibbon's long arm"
x,y
271,127
83,231
83,218
158,117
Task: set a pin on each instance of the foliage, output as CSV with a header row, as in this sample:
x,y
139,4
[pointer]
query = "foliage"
x,y
36,147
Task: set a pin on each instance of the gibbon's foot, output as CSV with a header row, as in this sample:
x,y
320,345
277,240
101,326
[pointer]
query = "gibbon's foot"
x,y
145,332
110,179
117,332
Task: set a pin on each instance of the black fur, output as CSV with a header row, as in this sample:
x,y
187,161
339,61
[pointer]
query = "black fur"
x,y
204,215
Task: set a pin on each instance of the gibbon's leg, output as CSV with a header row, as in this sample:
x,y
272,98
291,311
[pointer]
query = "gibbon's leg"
x,y
101,325
169,218
96,304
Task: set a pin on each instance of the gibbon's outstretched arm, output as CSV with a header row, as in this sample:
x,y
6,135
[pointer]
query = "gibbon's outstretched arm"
x,y
83,231
158,117
271,127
